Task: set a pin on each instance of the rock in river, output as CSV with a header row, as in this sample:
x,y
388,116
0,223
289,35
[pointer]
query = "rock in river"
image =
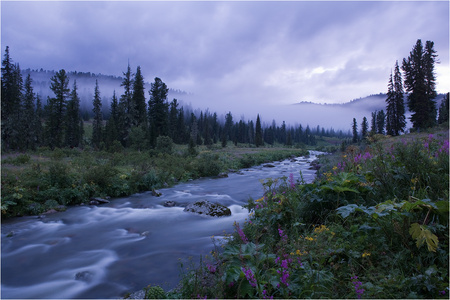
x,y
204,207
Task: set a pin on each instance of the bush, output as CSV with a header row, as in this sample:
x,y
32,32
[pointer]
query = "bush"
x,y
164,144
208,165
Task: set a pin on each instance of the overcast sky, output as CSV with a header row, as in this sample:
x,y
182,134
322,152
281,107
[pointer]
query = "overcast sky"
x,y
232,54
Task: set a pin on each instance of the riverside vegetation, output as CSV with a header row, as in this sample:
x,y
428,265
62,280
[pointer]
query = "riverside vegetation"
x,y
38,181
374,224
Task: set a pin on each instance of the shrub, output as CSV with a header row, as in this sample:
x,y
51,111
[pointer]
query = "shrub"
x,y
164,144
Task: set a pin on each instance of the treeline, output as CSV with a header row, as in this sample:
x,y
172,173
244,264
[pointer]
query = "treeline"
x,y
418,84
133,122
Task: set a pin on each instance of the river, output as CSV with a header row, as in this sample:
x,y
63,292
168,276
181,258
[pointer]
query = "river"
x,y
107,250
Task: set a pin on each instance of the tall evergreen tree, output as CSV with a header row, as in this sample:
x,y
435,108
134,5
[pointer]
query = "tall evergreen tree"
x,y
420,83
258,133
444,110
38,122
400,120
138,100
373,123
364,128
126,108
112,131
158,110
56,109
355,131
381,119
173,120
390,108
27,122
73,134
97,135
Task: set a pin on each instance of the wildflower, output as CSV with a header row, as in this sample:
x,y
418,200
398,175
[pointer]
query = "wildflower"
x,y
321,229
309,238
265,295
211,268
365,254
282,235
291,181
250,276
241,234
442,293
357,285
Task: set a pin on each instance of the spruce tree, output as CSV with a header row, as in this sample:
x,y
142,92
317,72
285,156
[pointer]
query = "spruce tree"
x,y
73,134
420,83
400,119
27,122
355,131
444,110
373,123
38,122
390,108
258,133
56,108
97,135
381,120
173,120
138,99
112,131
158,110
126,108
364,128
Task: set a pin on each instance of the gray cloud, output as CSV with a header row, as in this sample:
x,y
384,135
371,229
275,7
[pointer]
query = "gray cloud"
x,y
232,55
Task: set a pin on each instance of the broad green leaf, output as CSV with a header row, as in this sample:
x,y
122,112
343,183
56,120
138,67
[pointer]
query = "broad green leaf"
x,y
423,235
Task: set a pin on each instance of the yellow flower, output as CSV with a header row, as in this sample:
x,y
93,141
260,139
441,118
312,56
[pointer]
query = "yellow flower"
x,y
365,254
309,238
320,229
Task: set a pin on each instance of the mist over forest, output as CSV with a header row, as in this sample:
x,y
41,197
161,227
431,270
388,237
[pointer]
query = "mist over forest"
x,y
336,116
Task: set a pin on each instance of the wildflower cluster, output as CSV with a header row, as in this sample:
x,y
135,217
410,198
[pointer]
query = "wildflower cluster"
x,y
250,276
357,285
283,270
241,233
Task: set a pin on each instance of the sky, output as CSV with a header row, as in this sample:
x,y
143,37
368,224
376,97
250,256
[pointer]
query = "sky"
x,y
232,55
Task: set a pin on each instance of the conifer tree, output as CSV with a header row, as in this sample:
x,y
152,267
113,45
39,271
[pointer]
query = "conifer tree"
x,y
126,108
355,131
420,83
173,120
390,108
138,100
56,108
373,123
381,120
364,128
158,110
444,110
258,133
97,134
400,119
38,122
73,134
27,124
112,131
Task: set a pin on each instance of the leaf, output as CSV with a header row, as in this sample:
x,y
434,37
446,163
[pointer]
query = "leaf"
x,y
346,210
421,234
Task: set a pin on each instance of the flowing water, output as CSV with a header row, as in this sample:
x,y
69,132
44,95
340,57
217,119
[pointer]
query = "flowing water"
x,y
107,250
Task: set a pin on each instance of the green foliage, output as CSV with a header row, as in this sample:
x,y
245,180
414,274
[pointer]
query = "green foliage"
x,y
164,144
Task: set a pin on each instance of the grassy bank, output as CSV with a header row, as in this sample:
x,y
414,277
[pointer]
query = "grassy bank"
x,y
35,182
373,225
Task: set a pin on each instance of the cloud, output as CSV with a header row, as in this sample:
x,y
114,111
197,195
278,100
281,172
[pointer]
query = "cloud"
x,y
236,56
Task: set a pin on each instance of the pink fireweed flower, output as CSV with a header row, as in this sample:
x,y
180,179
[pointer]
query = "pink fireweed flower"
x,y
241,234
291,181
250,276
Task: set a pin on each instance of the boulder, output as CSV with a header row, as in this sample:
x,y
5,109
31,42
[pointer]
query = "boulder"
x,y
269,166
97,200
156,193
84,276
222,175
204,207
169,203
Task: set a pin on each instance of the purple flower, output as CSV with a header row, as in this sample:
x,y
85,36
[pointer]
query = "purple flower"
x,y
442,293
265,295
250,276
211,268
282,235
357,285
241,234
291,181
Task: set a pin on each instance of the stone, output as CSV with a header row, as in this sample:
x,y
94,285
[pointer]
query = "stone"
x,y
222,175
84,276
269,166
204,207
99,200
156,193
169,203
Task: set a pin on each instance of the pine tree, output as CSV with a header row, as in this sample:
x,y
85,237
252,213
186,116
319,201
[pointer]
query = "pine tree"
x,y
28,122
381,119
158,110
38,122
173,120
390,108
364,128
112,131
420,84
97,135
73,134
400,120
138,100
126,108
444,110
373,123
56,108
258,133
355,131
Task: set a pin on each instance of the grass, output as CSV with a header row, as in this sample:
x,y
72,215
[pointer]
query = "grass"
x,y
35,182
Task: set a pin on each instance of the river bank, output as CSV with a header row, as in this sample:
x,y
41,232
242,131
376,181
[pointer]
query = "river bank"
x,y
37,182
